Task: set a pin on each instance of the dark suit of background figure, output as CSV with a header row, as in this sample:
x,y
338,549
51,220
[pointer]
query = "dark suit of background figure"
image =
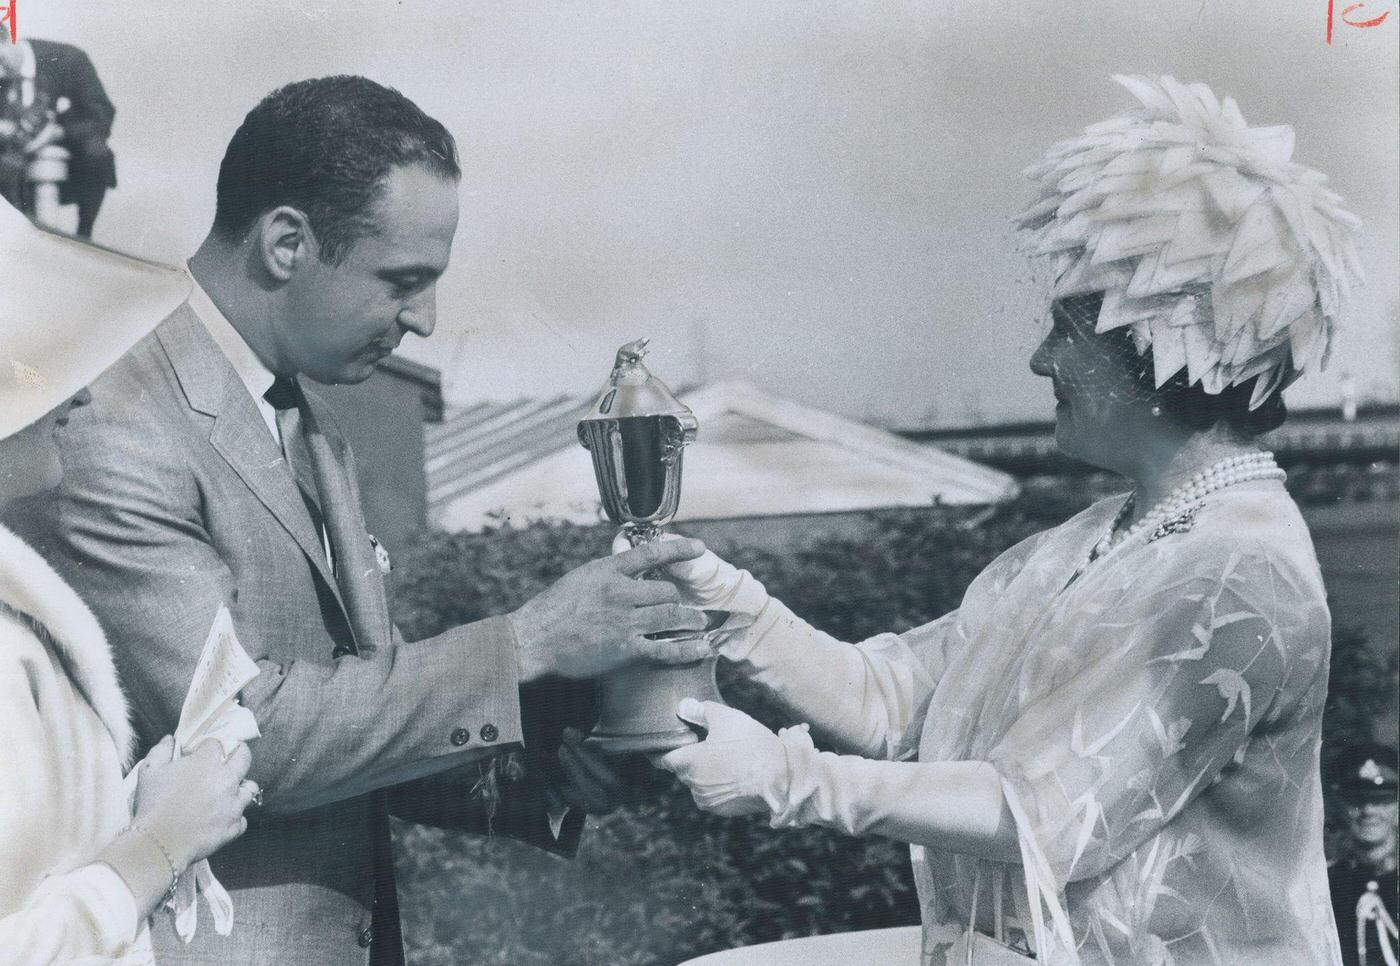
x,y
1363,776
1349,879
177,499
64,71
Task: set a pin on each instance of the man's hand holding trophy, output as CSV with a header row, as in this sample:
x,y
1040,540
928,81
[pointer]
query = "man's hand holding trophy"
x,y
583,601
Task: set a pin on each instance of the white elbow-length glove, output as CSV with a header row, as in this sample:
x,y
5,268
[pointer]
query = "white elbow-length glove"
x,y
857,696
743,768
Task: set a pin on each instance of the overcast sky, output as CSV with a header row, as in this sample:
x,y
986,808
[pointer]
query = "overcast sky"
x,y
811,195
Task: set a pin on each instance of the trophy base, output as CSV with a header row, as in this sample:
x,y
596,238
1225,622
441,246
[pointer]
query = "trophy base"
x,y
637,706
654,743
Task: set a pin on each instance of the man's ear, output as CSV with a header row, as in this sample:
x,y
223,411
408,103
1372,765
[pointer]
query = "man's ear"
x,y
285,241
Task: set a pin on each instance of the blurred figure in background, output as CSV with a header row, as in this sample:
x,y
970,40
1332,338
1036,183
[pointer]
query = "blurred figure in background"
x,y
1365,891
50,95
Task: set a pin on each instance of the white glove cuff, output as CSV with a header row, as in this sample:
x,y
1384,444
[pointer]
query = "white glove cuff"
x,y
771,616
749,596
801,757
709,581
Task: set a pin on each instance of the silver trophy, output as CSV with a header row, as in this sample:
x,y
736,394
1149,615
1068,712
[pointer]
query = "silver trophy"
x,y
637,432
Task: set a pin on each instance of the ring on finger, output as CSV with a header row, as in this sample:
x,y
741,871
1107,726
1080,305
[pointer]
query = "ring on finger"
x,y
255,798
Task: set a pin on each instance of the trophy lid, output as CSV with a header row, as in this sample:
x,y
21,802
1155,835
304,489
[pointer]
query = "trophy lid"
x,y
631,390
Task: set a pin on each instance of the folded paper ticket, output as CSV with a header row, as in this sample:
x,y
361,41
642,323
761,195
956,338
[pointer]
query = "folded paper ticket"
x,y
224,669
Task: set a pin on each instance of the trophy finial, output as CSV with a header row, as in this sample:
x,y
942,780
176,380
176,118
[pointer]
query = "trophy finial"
x,y
631,353
636,431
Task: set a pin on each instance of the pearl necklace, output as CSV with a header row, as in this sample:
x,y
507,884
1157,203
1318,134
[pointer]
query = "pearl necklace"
x,y
1180,505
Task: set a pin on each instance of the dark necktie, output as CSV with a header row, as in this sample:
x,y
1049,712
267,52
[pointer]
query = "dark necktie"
x,y
284,396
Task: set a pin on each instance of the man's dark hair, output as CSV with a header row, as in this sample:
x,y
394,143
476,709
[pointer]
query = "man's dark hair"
x,y
324,147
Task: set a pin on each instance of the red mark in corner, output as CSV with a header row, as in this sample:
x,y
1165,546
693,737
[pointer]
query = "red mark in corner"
x,y
1347,19
8,19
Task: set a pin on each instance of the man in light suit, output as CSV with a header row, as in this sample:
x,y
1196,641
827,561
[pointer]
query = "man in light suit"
x,y
203,473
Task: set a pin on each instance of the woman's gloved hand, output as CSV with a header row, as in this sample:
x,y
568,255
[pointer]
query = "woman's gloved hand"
x,y
740,768
743,768
711,583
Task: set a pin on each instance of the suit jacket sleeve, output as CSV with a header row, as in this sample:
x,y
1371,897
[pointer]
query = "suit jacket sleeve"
x,y
127,529
524,782
511,794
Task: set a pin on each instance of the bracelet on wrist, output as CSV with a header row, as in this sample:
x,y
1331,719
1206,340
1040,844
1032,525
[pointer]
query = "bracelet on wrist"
x,y
165,853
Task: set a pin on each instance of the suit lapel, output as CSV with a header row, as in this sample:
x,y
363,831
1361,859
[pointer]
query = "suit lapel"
x,y
243,441
239,434
356,568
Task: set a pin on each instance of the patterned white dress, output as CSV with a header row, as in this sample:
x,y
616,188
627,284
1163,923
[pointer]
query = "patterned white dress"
x,y
1156,724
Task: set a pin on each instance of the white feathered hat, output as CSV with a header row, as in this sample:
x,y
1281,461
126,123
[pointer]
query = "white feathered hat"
x,y
1223,255
68,310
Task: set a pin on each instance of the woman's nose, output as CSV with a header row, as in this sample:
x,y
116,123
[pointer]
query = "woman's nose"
x,y
1041,363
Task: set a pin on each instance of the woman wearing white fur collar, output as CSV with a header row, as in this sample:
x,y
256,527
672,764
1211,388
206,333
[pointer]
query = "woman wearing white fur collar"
x,y
79,872
1116,736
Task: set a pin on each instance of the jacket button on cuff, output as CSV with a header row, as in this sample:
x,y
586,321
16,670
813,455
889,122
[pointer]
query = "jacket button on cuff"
x,y
460,736
489,733
366,937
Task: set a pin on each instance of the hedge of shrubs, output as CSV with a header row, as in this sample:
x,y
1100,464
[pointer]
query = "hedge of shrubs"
x,y
658,882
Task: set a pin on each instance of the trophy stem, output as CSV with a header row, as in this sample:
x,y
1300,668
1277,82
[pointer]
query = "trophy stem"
x,y
640,533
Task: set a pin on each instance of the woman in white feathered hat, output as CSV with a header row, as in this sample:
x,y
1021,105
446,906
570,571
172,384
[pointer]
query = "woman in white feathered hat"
x,y
80,870
1109,752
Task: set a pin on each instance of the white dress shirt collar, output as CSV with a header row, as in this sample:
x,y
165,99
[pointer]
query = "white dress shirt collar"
x,y
257,377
